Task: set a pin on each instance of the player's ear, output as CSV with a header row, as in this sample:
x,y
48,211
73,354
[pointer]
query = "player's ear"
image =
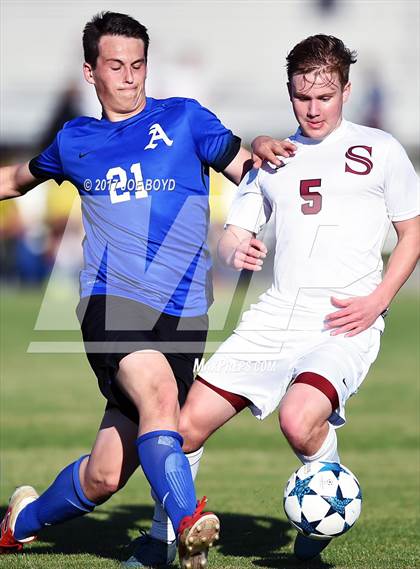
x,y
346,92
88,73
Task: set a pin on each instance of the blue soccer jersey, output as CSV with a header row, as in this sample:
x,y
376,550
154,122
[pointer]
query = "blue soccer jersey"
x,y
144,186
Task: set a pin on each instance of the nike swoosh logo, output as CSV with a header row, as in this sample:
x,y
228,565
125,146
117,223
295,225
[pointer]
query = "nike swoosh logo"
x,y
164,499
83,154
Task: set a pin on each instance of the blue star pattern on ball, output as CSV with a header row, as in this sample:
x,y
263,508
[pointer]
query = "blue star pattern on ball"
x,y
302,489
346,527
306,526
338,503
320,516
333,467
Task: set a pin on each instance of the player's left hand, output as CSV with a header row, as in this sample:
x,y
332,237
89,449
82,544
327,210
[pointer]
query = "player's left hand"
x,y
249,255
267,148
354,315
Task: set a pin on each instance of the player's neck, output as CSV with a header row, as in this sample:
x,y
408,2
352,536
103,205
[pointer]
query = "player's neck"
x,y
115,116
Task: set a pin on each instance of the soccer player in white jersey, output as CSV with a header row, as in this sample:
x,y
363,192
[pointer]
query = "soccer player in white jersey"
x,y
319,324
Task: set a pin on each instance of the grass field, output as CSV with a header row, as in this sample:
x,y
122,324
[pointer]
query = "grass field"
x,y
50,410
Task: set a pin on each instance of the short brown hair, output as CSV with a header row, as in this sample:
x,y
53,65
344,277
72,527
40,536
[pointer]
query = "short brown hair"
x,y
111,24
321,52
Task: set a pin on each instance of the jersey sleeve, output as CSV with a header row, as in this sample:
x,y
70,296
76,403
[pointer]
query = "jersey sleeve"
x,y
216,145
47,165
250,209
401,184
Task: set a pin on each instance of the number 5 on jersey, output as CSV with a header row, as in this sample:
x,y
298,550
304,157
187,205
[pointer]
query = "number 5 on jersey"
x,y
314,199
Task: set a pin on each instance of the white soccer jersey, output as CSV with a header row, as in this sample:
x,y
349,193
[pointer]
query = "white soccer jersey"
x,y
332,205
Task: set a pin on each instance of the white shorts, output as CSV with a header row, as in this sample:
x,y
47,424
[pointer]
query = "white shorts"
x,y
344,362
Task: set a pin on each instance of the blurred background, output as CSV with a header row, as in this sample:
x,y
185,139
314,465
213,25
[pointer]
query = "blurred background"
x,y
229,55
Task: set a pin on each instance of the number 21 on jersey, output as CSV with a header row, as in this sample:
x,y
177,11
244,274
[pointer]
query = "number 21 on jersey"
x,y
117,179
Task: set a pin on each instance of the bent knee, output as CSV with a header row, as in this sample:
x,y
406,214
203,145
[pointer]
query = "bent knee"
x,y
193,435
102,485
297,427
137,369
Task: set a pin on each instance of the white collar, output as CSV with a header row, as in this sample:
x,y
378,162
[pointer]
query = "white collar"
x,y
332,137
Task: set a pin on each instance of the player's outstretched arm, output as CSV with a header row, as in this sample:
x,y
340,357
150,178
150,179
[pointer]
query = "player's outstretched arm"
x,y
357,314
16,180
239,249
268,149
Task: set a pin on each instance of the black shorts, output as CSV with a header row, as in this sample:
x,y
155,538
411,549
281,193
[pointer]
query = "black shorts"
x,y
114,327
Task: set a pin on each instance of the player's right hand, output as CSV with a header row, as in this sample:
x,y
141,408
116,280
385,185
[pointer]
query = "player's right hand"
x,y
249,255
270,149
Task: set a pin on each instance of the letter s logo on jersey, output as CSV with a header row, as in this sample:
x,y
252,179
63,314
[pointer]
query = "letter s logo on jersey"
x,y
157,133
364,160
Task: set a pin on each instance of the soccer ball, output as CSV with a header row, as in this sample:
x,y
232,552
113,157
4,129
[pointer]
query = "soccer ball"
x,y
322,499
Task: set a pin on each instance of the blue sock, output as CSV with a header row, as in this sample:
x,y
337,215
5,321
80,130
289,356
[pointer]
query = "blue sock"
x,y
62,501
168,472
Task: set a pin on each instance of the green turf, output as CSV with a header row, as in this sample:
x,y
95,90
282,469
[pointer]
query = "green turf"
x,y
50,410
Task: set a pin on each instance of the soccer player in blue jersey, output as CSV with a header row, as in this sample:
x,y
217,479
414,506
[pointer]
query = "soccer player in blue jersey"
x,y
142,172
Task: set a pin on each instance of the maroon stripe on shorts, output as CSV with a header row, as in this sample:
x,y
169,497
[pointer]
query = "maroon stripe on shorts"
x,y
238,402
318,381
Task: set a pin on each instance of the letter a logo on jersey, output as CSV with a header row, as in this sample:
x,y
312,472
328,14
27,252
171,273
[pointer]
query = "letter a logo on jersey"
x,y
157,133
360,159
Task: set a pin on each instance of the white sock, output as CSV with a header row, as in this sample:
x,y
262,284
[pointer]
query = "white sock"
x,y
194,460
327,452
161,525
